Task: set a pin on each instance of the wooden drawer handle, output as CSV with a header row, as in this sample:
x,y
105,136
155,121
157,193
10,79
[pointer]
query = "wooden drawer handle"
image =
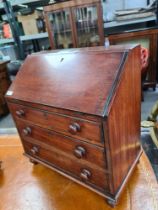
x,y
27,131
74,128
85,174
79,152
20,113
34,150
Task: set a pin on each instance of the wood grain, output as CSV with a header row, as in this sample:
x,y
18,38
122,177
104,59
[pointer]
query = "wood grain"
x,y
89,131
81,116
124,120
93,154
69,165
73,84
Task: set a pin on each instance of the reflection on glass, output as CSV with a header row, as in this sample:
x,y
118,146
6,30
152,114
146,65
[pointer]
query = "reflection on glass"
x,y
87,27
61,29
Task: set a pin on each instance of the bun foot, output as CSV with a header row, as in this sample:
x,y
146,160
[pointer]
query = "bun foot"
x,y
112,203
33,161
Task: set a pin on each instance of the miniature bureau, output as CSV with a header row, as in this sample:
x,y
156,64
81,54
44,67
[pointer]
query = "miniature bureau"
x,y
77,111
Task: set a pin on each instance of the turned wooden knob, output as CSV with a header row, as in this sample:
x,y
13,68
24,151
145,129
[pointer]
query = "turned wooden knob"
x,y
27,131
85,174
79,152
20,113
74,128
34,150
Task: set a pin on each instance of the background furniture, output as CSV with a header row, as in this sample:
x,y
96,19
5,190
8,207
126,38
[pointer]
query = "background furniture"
x,y
13,68
24,44
75,24
148,38
72,125
144,66
4,85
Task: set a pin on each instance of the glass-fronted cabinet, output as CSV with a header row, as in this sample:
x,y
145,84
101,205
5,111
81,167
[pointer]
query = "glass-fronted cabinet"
x,y
75,24
61,30
86,20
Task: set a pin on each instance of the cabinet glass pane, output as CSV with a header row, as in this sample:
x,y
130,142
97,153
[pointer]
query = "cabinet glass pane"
x,y
87,26
61,29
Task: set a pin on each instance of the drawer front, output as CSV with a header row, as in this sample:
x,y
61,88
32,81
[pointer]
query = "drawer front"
x,y
95,177
78,128
77,149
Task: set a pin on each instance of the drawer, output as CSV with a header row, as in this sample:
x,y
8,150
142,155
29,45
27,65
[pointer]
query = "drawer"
x,y
93,176
75,127
76,148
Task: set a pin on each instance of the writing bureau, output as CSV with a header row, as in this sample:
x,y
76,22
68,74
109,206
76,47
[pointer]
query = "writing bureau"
x,y
77,111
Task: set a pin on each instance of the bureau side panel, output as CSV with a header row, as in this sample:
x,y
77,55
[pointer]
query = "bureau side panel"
x,y
124,120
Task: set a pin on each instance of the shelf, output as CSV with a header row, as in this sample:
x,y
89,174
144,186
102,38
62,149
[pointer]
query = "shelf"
x,y
34,36
5,41
122,23
25,38
87,28
62,32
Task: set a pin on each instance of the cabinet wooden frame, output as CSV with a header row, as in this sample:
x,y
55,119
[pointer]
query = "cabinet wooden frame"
x,y
70,6
152,35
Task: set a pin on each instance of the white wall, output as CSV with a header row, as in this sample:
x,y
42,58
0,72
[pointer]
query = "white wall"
x,y
134,3
109,6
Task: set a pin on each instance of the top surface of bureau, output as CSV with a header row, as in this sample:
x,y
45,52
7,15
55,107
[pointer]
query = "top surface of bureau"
x,y
77,80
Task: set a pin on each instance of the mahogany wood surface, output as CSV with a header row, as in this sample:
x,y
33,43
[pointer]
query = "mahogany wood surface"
x,y
68,145
69,165
68,4
73,82
78,112
124,120
89,131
